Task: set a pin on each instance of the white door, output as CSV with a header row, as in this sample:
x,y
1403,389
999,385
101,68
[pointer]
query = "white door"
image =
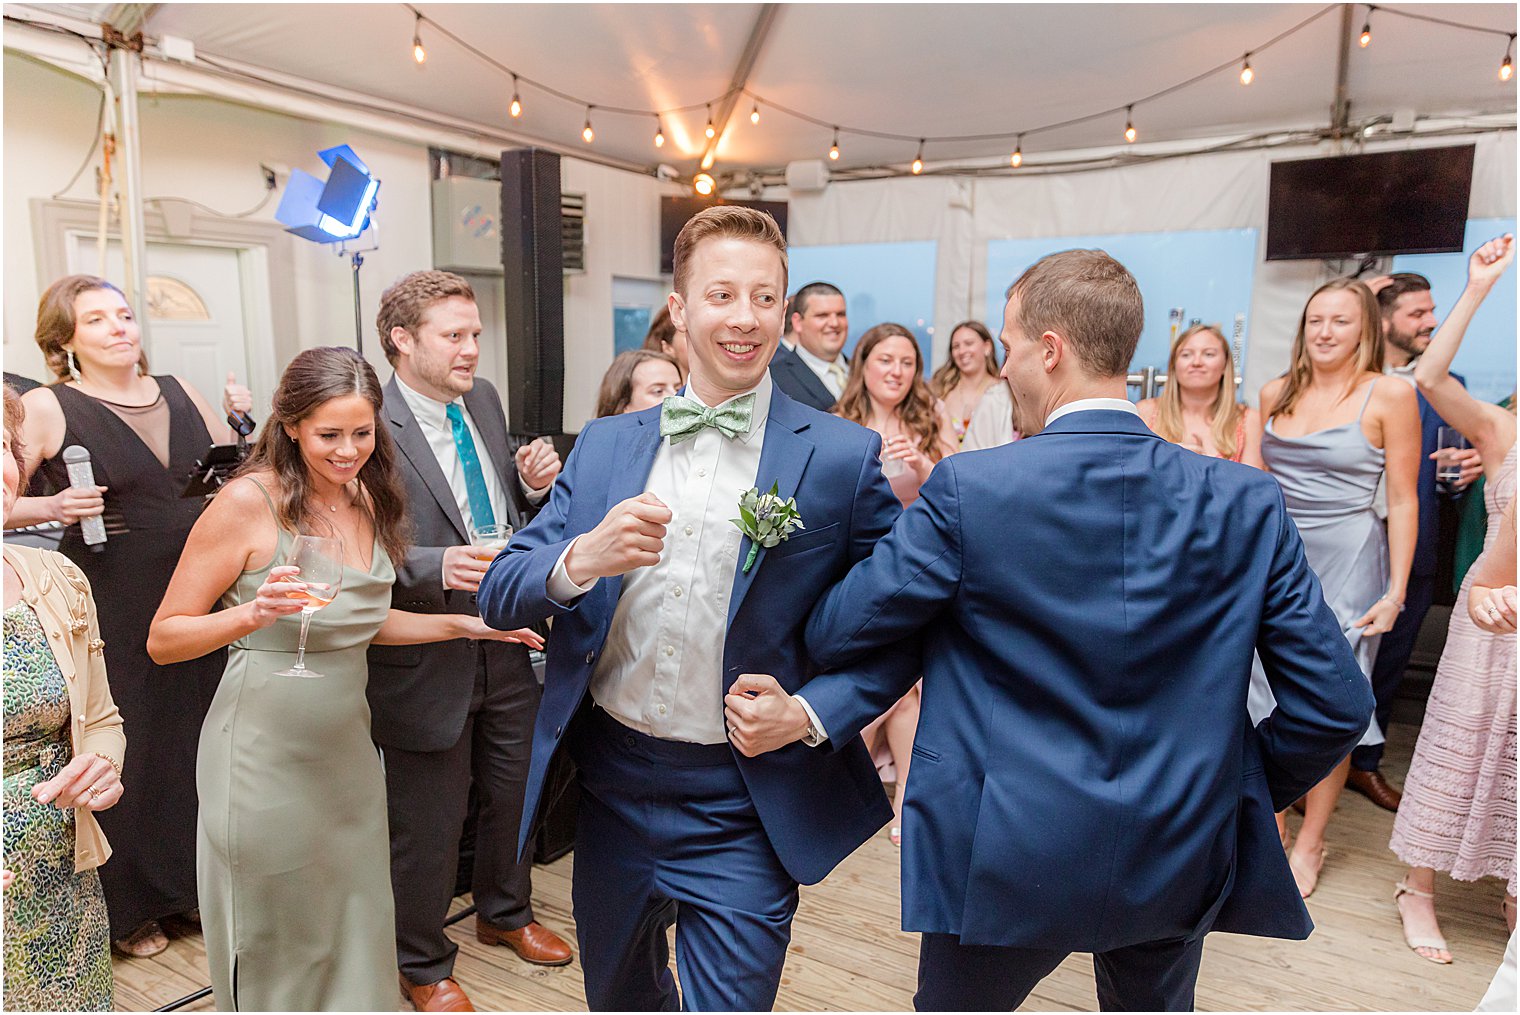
x,y
195,311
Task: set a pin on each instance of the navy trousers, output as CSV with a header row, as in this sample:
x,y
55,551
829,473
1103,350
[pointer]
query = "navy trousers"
x,y
668,828
1156,976
1392,657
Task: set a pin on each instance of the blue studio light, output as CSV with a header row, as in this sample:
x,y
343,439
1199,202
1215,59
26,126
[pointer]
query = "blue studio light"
x,y
333,210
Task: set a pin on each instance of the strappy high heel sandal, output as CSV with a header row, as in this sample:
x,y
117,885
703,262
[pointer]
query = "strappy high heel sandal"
x,y
1434,944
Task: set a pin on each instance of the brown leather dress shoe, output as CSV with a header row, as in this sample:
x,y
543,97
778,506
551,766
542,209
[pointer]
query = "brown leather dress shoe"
x,y
445,995
533,943
1374,787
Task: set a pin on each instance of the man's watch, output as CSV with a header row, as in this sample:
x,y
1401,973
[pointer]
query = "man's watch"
x,y
814,736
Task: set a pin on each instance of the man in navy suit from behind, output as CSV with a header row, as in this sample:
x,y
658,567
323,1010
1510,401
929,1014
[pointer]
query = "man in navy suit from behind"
x,y
1085,775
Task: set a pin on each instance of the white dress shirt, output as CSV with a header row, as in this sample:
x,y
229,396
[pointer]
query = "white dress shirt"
x,y
432,417
661,667
833,375
1081,404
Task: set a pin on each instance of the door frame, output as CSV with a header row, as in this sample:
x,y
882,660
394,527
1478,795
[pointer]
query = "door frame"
x,y
266,269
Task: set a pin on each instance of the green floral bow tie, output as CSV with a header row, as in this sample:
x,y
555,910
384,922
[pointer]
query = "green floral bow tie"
x,y
682,418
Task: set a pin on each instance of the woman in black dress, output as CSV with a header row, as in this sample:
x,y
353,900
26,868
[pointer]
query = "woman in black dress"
x,y
144,434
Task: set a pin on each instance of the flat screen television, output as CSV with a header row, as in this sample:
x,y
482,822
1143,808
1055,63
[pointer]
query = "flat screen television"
x,y
1407,202
675,212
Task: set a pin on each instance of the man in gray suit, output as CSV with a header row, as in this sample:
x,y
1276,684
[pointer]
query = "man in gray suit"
x,y
445,712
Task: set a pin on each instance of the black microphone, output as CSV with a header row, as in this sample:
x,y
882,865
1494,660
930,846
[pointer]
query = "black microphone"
x,y
82,474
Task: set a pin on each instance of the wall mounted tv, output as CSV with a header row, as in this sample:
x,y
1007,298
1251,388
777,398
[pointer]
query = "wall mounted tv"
x,y
1407,202
675,211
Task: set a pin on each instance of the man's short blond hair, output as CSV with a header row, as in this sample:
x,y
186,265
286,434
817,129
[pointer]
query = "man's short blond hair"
x,y
726,221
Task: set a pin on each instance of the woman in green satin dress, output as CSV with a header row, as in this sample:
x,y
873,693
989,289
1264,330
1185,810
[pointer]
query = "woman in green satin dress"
x,y
293,849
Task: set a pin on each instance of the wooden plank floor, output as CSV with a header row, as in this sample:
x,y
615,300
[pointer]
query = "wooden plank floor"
x,y
847,954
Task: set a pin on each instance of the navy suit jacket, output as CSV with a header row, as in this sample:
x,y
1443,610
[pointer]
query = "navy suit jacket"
x,y
817,805
797,379
1425,547
1085,775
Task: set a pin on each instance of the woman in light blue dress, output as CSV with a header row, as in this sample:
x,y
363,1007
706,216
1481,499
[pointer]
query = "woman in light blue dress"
x,y
1334,427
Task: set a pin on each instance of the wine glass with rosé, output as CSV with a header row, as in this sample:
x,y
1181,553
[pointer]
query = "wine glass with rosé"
x,y
320,559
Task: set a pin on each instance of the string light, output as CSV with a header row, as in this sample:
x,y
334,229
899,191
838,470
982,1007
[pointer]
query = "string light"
x,y
1506,74
704,184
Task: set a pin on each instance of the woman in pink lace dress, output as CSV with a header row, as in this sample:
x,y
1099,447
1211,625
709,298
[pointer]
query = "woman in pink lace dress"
x,y
1458,811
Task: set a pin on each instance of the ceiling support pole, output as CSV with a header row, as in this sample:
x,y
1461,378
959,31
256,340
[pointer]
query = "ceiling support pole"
x,y
752,47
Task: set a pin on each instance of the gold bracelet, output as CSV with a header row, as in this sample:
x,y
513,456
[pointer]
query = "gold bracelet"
x,y
109,760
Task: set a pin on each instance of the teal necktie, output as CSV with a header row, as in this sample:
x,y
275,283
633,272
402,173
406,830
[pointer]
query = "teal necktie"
x,y
682,418
474,479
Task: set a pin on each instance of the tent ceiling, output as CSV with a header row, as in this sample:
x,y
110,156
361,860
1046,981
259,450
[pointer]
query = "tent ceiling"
x,y
911,69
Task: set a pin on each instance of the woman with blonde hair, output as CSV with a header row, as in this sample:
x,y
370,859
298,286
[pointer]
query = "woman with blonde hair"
x,y
60,771
1197,408
966,375
1335,426
887,393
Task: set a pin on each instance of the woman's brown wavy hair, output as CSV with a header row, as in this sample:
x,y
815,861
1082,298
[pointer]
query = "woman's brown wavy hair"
x,y
916,410
314,378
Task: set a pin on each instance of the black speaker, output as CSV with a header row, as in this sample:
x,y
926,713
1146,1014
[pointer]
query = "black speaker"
x,y
532,259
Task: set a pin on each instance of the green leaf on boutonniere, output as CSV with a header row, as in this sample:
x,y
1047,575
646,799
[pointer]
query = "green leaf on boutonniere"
x,y
766,519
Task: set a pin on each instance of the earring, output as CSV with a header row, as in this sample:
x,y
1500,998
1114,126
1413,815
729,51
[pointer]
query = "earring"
x,y
73,367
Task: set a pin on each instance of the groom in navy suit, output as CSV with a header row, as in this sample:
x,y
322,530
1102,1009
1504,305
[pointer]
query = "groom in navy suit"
x,y
661,605
1085,776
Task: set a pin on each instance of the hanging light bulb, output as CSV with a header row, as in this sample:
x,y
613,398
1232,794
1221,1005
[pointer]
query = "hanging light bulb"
x,y
834,148
516,107
1129,124
754,115
710,130
659,133
918,160
1017,159
418,53
704,184
1507,68
1365,39
708,158
1247,75
587,134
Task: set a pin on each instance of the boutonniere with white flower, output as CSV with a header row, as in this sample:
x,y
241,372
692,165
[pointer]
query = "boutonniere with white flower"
x,y
766,519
